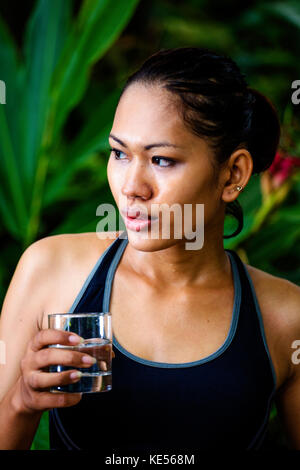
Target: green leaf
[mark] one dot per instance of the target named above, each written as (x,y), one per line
(265,57)
(93,137)
(272,240)
(98,25)
(57,185)
(288,11)
(210,34)
(13,207)
(288,215)
(82,218)
(10,171)
(7,217)
(44,40)
(41,439)
(12,73)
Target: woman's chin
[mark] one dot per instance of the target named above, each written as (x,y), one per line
(147,241)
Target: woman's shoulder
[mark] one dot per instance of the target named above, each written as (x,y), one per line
(54,252)
(279,304)
(60,253)
(71,244)
(61,264)
(278,295)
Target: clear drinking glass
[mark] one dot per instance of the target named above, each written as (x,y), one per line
(95,329)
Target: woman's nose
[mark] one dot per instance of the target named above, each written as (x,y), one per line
(136,183)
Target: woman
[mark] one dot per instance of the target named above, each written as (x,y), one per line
(202,341)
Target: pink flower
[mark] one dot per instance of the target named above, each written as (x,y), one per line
(282,168)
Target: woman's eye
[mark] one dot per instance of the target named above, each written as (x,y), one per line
(168,161)
(116,153)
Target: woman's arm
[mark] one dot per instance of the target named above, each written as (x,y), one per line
(22,307)
(17,427)
(288,406)
(21,401)
(288,396)
(23,304)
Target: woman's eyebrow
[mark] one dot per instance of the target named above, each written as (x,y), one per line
(146,147)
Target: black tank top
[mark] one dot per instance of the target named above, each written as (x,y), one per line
(222,401)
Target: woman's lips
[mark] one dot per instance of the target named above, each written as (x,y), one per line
(136,224)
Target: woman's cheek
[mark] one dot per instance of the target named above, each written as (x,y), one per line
(113,177)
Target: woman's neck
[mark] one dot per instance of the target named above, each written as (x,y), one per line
(180,267)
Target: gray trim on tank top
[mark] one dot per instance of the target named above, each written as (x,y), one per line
(89,278)
(261,325)
(232,329)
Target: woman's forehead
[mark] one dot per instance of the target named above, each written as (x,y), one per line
(149,115)
(152,101)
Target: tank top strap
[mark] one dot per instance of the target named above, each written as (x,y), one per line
(90,296)
(251,308)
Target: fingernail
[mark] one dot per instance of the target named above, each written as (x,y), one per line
(75,375)
(75,339)
(89,359)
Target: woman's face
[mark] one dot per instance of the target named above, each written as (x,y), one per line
(157,160)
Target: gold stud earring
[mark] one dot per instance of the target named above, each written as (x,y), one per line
(239,188)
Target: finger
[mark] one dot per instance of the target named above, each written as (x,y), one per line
(103,365)
(50,336)
(48,400)
(43,380)
(64,357)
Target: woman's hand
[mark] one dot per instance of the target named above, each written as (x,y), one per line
(33,393)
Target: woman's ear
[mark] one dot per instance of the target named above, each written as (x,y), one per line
(237,174)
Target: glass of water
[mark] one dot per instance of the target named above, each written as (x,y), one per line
(95,329)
